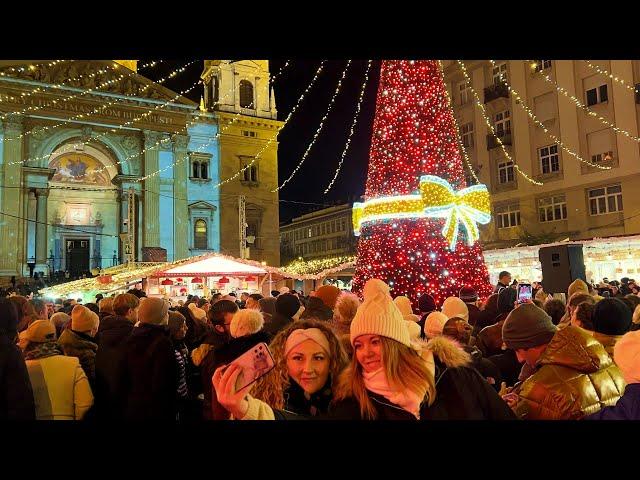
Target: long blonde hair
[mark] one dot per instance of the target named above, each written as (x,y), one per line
(271,387)
(405,370)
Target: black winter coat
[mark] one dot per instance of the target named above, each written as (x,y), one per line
(221,356)
(110,357)
(485,367)
(149,382)
(16,395)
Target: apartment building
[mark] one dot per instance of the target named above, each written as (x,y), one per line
(575,200)
(320,234)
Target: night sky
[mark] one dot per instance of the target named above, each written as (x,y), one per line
(311,180)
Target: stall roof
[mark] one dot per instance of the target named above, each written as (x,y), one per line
(213,265)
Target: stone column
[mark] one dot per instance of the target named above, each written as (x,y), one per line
(41,226)
(180,204)
(11,228)
(31,214)
(151,217)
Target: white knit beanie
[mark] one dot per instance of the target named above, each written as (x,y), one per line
(455,307)
(434,324)
(197,312)
(626,355)
(414,330)
(246,322)
(378,315)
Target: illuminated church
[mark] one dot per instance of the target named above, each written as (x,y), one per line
(100,164)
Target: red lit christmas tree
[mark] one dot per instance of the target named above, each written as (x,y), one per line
(418,224)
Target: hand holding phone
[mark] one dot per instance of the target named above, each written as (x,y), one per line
(255,363)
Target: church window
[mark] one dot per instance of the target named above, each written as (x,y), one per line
(246,94)
(200,235)
(196,170)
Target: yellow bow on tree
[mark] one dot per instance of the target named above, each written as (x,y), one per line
(437,199)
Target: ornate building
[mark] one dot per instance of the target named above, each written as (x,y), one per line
(78,136)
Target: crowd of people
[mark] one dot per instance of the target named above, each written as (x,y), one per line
(335,356)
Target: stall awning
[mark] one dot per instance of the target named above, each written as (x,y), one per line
(214,265)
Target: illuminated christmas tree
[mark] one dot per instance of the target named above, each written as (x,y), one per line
(418,225)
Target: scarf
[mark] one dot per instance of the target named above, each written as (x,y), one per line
(377,382)
(41,350)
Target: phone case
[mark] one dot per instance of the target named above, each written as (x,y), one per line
(255,363)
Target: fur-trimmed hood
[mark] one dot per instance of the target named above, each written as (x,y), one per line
(448,352)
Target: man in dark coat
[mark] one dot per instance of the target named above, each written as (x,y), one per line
(504,280)
(149,382)
(317,310)
(113,331)
(469,296)
(16,394)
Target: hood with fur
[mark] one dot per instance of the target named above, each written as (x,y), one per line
(449,352)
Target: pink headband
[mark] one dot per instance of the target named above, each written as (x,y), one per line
(300,335)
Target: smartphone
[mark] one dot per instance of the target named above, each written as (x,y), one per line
(524,292)
(255,363)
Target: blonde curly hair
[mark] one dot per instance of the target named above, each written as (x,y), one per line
(271,387)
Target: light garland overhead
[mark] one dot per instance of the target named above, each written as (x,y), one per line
(436,199)
(587,110)
(32,67)
(611,76)
(284,123)
(318,130)
(316,266)
(151,64)
(274,77)
(460,143)
(520,101)
(489,123)
(353,126)
(97,109)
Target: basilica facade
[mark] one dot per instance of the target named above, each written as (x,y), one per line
(99,164)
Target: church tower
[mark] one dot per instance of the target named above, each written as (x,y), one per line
(239,93)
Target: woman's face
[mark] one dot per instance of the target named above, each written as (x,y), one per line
(308,365)
(368,350)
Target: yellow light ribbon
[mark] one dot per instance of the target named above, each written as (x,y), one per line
(436,199)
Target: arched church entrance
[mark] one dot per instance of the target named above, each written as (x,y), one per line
(83,207)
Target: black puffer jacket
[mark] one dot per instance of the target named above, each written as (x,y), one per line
(217,357)
(489,371)
(461,393)
(114,332)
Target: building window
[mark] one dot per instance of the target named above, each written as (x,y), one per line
(540,65)
(324,229)
(466,133)
(502,124)
(508,216)
(344,225)
(597,95)
(464,89)
(200,169)
(195,169)
(505,172)
(549,159)
(246,94)
(249,133)
(602,157)
(499,73)
(552,209)
(249,174)
(605,200)
(204,170)
(200,235)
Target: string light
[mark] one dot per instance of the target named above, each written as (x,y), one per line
(611,76)
(520,101)
(97,109)
(316,266)
(413,137)
(284,123)
(31,67)
(489,123)
(587,110)
(274,77)
(318,130)
(150,64)
(353,126)
(459,139)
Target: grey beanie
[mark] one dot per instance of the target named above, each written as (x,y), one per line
(526,327)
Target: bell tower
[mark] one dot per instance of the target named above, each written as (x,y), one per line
(239,86)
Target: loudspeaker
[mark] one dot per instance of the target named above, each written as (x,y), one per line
(561,265)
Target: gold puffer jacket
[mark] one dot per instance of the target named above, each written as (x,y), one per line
(575,377)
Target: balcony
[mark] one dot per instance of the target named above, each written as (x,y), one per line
(496,91)
(492,140)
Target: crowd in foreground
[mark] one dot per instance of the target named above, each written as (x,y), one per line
(336,357)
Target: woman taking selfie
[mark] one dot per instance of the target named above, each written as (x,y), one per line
(308,357)
(389,378)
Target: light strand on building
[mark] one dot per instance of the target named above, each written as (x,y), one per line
(457,128)
(318,130)
(613,77)
(270,141)
(587,110)
(31,67)
(96,109)
(520,101)
(353,126)
(115,128)
(480,105)
(150,64)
